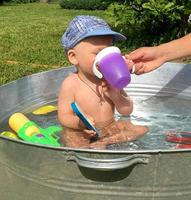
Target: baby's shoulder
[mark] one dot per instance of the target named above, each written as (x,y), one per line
(70,81)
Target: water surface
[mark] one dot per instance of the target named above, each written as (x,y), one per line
(160,114)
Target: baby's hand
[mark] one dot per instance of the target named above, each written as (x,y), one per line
(89,133)
(109,91)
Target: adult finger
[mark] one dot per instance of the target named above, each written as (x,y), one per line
(136,55)
(138,67)
(129,63)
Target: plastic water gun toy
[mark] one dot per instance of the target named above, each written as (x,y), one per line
(31,132)
(83,118)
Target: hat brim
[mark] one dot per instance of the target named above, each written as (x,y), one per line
(117,36)
(104,32)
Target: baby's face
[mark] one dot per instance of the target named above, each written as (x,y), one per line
(87,50)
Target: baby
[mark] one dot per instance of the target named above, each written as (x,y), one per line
(82,40)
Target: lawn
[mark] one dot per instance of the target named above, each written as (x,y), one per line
(30,38)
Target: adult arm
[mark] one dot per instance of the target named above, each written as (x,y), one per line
(147,59)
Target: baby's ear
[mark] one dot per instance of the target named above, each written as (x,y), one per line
(72,56)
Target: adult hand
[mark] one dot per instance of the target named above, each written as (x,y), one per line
(145,59)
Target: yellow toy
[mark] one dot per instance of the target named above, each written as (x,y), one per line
(9,134)
(31,132)
(44,110)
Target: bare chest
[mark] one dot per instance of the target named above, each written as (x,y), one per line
(94,104)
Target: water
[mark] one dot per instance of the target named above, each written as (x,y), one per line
(160,114)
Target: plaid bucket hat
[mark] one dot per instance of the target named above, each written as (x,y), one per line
(85,26)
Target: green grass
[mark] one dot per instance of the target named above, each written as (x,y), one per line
(30,38)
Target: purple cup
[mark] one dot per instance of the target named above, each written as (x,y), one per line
(112,67)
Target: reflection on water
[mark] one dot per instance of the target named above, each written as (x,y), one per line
(160,114)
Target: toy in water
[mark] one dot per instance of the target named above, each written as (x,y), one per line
(182,138)
(112,66)
(44,110)
(31,132)
(83,118)
(9,134)
(183,146)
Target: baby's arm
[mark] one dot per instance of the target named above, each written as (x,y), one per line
(120,99)
(122,102)
(65,114)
